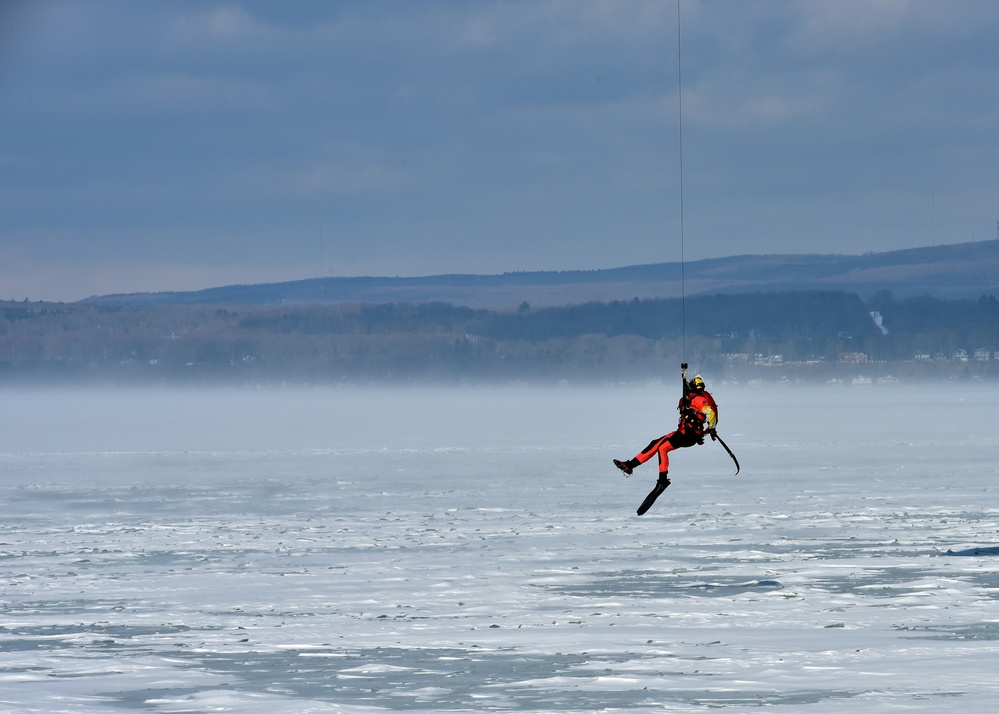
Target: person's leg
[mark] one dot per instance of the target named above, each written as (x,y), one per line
(666,445)
(641,457)
(649,451)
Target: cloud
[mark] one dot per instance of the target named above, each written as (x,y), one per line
(841,26)
(459,136)
(211,30)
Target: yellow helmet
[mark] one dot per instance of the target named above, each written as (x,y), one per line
(697,384)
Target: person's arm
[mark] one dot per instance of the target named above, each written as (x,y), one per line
(710,412)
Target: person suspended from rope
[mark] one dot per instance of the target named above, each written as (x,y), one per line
(698,414)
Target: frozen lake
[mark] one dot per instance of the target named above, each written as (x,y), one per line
(475,550)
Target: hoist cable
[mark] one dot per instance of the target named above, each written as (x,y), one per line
(679,91)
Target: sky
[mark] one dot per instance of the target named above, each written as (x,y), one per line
(185,145)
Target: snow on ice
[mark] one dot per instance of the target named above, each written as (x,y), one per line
(316,550)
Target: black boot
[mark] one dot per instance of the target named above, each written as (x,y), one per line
(626,466)
(661,485)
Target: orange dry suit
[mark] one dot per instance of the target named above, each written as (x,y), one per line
(698,413)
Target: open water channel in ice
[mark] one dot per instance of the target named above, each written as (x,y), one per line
(316,550)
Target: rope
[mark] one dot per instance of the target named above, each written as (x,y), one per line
(679,90)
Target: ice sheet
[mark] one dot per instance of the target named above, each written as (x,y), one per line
(475,550)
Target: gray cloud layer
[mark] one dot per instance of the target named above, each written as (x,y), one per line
(157,146)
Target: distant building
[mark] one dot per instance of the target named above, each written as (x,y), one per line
(853,357)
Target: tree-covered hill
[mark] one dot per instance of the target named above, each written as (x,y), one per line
(806,334)
(964,270)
